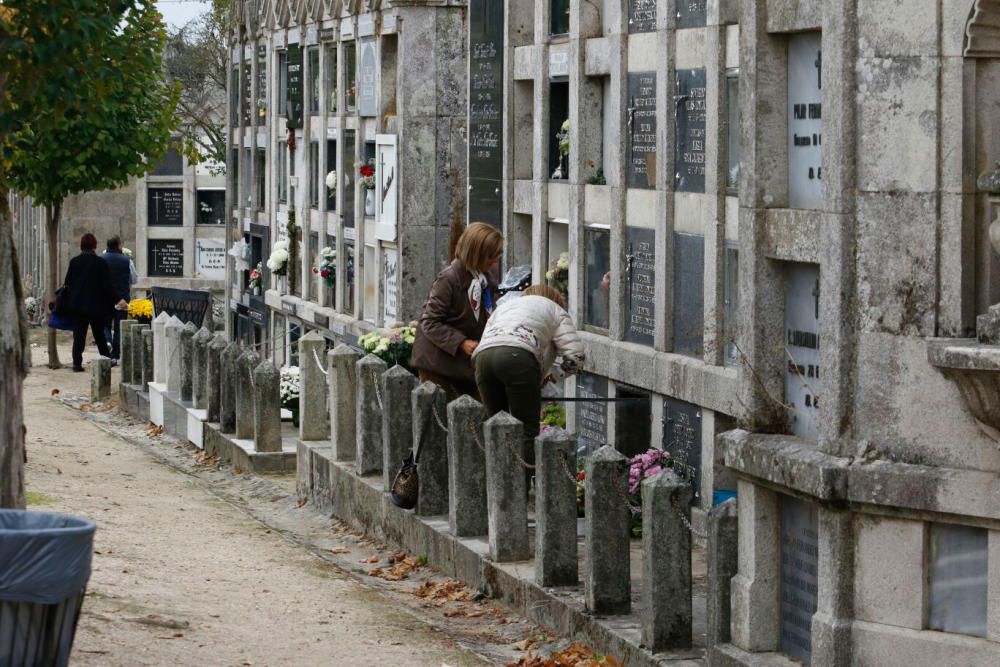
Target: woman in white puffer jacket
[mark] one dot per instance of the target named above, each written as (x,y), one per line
(528,342)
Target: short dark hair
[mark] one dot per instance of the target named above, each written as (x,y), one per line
(88,242)
(115,242)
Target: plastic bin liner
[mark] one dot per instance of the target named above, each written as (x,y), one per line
(44,557)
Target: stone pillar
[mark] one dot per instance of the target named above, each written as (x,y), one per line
(147,358)
(187,360)
(607,582)
(135,347)
(245,365)
(160,348)
(229,376)
(343,400)
(213,376)
(368,429)
(723,543)
(173,354)
(429,413)
(506,496)
(666,562)
(397,420)
(100,380)
(755,587)
(199,380)
(125,351)
(831,624)
(555,509)
(266,408)
(314,416)
(467,515)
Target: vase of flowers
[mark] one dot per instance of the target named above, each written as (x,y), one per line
(331,184)
(326,267)
(650,463)
(255,278)
(366,173)
(277,262)
(31,308)
(558,274)
(562,137)
(393,345)
(288,388)
(140,309)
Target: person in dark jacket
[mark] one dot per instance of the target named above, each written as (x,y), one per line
(90,298)
(121,270)
(454,316)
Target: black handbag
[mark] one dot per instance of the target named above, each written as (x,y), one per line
(406,484)
(62,307)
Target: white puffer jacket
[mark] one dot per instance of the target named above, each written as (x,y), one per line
(539,325)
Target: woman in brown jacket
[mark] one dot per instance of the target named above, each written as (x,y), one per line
(454,316)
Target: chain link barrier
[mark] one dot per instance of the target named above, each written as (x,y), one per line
(378,389)
(319,364)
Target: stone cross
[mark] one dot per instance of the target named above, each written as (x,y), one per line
(100,380)
(187,360)
(160,348)
(506,495)
(666,562)
(314,415)
(173,354)
(267,408)
(397,420)
(723,564)
(229,376)
(555,509)
(245,365)
(467,515)
(607,584)
(368,422)
(148,369)
(429,412)
(135,347)
(125,351)
(199,380)
(343,400)
(213,377)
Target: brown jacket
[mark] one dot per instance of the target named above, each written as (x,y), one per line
(445,322)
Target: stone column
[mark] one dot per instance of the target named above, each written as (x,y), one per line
(314,416)
(723,543)
(213,377)
(555,509)
(666,562)
(125,351)
(100,380)
(429,413)
(147,358)
(160,348)
(173,354)
(397,420)
(467,515)
(135,347)
(831,624)
(187,360)
(606,559)
(755,587)
(343,400)
(368,429)
(199,380)
(245,365)
(266,408)
(227,387)
(506,496)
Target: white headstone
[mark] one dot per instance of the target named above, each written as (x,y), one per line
(210,259)
(390,285)
(172,360)
(160,347)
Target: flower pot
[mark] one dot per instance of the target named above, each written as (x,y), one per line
(369,202)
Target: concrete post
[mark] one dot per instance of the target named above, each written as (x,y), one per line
(199,380)
(368,428)
(314,416)
(147,358)
(187,360)
(666,562)
(429,414)
(135,351)
(213,377)
(467,515)
(723,561)
(100,380)
(173,354)
(227,387)
(506,496)
(555,509)
(245,365)
(606,559)
(343,400)
(266,408)
(125,351)
(397,420)
(160,347)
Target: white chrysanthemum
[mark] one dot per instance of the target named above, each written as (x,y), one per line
(331,180)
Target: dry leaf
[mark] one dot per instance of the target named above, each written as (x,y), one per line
(55,392)
(340,550)
(300,502)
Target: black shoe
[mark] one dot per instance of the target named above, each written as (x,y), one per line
(114,362)
(77,369)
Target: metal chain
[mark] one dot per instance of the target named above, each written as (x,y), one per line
(378,391)
(437,418)
(475,436)
(564,459)
(319,364)
(633,510)
(684,520)
(507,441)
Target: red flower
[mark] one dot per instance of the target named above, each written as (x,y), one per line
(366,170)
(314,270)
(325,273)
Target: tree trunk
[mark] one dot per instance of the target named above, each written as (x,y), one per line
(13,364)
(52,212)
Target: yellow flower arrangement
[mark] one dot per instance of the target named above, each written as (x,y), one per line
(140,309)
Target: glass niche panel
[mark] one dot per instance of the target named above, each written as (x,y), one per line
(802,351)
(313,187)
(351,75)
(349,278)
(211,206)
(733,130)
(805,121)
(958,579)
(559,130)
(557,274)
(559,19)
(282,171)
(312,57)
(261,86)
(797,578)
(597,277)
(260,177)
(330,78)
(331,175)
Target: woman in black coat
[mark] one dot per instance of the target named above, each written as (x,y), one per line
(90,298)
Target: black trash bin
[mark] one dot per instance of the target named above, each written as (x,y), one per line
(44,568)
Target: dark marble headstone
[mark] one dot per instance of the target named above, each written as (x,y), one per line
(172,163)
(486,24)
(682,438)
(691,13)
(640,123)
(165,258)
(642,16)
(689,294)
(640,266)
(591,418)
(295,90)
(165,206)
(633,421)
(797,582)
(689,144)
(352,172)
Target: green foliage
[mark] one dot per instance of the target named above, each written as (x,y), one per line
(553,414)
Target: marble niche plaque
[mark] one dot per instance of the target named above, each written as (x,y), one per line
(797,576)
(165,206)
(805,121)
(486,24)
(165,258)
(350,179)
(642,16)
(682,438)
(689,294)
(691,13)
(390,285)
(641,128)
(801,361)
(640,267)
(591,418)
(689,144)
(367,78)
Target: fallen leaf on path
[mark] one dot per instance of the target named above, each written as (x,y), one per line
(373,559)
(576,655)
(300,502)
(468,613)
(155,431)
(443,591)
(340,550)
(55,392)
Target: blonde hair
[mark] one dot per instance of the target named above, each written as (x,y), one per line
(478,246)
(548,292)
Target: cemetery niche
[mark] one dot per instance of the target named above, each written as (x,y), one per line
(805,121)
(689,294)
(689,144)
(682,438)
(799,560)
(165,206)
(640,266)
(641,16)
(692,13)
(802,349)
(641,128)
(165,258)
(591,416)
